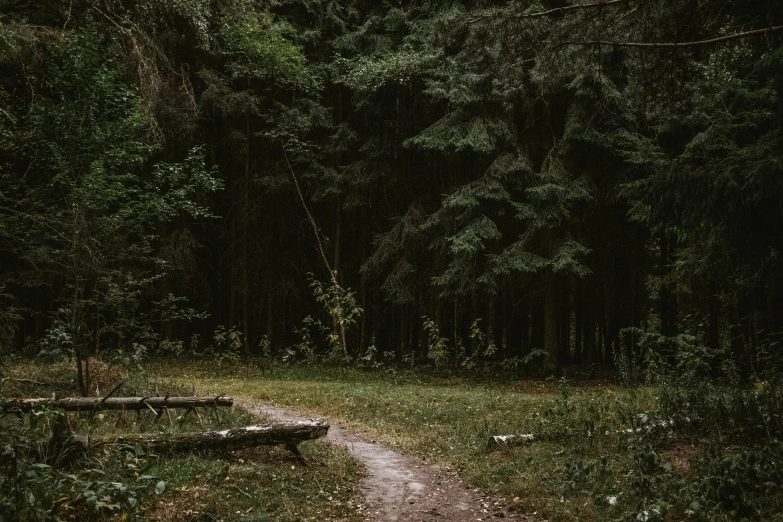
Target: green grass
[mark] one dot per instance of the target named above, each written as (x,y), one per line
(450,420)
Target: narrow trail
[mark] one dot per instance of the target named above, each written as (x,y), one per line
(401,488)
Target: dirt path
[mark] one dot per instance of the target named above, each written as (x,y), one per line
(400,488)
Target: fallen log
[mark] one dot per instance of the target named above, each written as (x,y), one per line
(156,404)
(512,440)
(496,441)
(288,434)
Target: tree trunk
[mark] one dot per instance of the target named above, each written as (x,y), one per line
(564,344)
(113,403)
(578,322)
(289,434)
(537,325)
(246,336)
(363,318)
(551,325)
(713,339)
(589,304)
(524,325)
(668,306)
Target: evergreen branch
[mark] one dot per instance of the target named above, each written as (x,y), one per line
(675,45)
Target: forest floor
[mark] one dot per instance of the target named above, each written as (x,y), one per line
(404,445)
(265,484)
(442,424)
(398,487)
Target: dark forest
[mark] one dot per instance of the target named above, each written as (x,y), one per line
(496,188)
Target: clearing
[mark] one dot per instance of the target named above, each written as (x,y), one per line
(442,426)
(399,487)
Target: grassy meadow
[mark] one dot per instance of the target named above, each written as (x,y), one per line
(449,421)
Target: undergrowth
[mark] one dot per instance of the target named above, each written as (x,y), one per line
(38,483)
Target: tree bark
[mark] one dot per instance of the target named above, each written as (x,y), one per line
(578,322)
(247,341)
(564,329)
(551,325)
(25,405)
(290,434)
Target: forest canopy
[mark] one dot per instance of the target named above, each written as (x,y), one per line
(537,183)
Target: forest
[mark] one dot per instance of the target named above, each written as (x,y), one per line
(491,189)
(571,181)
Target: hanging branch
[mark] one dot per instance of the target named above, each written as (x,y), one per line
(332,273)
(675,45)
(558,10)
(311,218)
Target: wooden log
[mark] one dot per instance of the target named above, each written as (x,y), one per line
(25,405)
(646,426)
(497,441)
(289,434)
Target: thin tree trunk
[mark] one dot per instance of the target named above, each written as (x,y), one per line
(455,328)
(714,319)
(551,325)
(537,324)
(319,241)
(363,325)
(578,322)
(604,347)
(588,329)
(246,336)
(564,348)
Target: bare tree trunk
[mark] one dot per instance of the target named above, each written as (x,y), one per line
(246,336)
(714,319)
(363,326)
(578,322)
(551,325)
(564,345)
(332,273)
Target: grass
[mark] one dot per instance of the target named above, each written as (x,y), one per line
(594,459)
(450,420)
(249,485)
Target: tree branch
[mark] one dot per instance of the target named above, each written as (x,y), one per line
(311,218)
(107,17)
(676,45)
(559,10)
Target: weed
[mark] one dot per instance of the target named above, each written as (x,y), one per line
(437,346)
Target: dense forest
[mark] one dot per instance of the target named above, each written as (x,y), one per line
(537,183)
